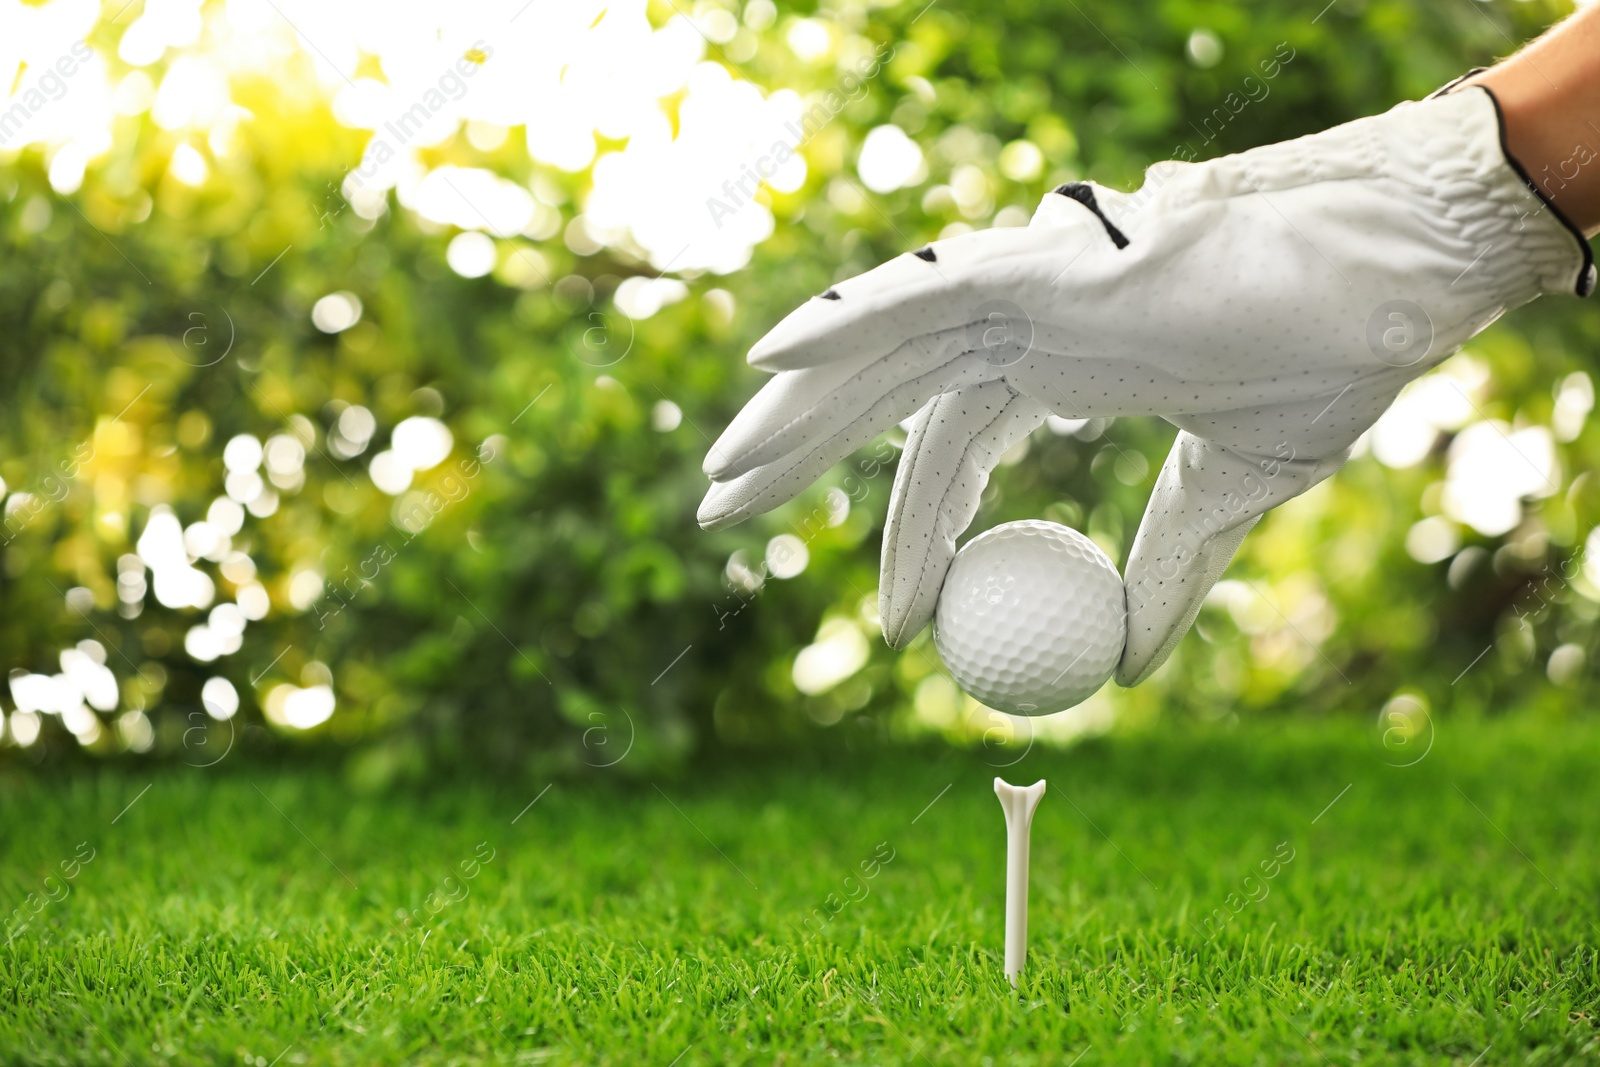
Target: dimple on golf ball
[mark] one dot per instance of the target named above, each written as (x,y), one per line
(1031,618)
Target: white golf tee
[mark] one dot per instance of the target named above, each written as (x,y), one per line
(1019,803)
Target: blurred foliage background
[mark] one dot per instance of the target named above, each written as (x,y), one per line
(360,361)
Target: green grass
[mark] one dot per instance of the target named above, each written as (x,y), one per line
(1438,913)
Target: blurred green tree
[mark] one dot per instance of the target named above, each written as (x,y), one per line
(414,482)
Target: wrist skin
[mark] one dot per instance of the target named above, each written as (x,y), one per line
(1549,96)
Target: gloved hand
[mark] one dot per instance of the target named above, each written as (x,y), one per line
(1269,304)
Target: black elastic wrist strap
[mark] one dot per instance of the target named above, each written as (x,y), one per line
(1586,276)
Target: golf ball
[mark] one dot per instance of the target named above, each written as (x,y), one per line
(1031,618)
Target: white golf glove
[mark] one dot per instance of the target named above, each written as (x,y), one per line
(1269,304)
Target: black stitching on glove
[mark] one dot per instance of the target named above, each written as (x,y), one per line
(926,253)
(1083,193)
(832,294)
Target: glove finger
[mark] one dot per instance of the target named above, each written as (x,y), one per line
(949,285)
(954,444)
(765,487)
(815,404)
(1206,499)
